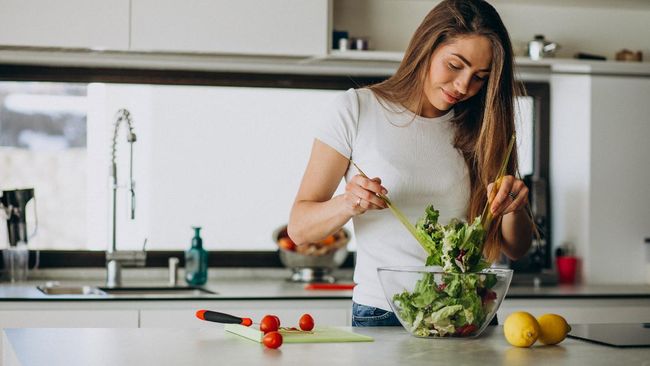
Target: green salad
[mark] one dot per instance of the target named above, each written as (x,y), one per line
(458,303)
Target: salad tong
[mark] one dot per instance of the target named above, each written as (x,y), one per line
(486,216)
(396,212)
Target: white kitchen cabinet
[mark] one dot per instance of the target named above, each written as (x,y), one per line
(330,312)
(254,27)
(599,173)
(57,318)
(65,23)
(69,318)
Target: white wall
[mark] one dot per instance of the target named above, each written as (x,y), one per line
(591,26)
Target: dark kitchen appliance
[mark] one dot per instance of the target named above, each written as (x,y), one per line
(14,203)
(615,335)
(536,267)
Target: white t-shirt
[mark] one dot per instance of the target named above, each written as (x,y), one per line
(415,158)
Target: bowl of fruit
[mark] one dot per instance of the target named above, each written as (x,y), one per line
(312,262)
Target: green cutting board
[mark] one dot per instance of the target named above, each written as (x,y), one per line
(319,335)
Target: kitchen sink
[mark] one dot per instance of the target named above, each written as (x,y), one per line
(70,290)
(179,291)
(136,292)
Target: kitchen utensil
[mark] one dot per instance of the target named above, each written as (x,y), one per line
(318,335)
(567,267)
(330,286)
(486,216)
(616,335)
(396,212)
(317,266)
(421,298)
(16,262)
(173,271)
(589,56)
(217,317)
(627,55)
(14,203)
(540,48)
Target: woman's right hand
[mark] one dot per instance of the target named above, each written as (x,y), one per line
(362,194)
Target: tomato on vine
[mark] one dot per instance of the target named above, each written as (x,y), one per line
(269,323)
(306,322)
(272,339)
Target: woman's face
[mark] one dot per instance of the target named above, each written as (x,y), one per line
(458,70)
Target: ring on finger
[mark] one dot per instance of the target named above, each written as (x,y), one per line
(513,195)
(358,202)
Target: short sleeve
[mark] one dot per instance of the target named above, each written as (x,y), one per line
(337,126)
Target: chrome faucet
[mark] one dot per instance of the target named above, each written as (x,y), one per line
(115,259)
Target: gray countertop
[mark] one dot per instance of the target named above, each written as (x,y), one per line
(271,284)
(391,346)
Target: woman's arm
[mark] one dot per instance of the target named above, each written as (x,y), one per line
(315,213)
(511,201)
(517,232)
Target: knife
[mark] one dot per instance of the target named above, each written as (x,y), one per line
(217,317)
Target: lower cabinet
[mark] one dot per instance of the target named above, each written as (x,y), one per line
(59,318)
(582,311)
(69,319)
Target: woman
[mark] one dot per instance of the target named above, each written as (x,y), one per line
(436,132)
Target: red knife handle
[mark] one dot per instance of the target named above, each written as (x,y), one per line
(217,317)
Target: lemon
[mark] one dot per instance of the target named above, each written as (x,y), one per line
(521,329)
(553,328)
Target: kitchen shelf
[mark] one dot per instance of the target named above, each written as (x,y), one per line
(347,63)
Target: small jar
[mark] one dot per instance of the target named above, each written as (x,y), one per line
(344,44)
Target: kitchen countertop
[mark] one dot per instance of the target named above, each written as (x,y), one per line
(256,284)
(391,346)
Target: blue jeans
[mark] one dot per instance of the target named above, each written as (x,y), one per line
(369,316)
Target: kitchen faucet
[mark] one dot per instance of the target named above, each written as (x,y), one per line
(115,259)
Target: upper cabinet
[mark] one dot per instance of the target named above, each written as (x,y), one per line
(97,24)
(254,27)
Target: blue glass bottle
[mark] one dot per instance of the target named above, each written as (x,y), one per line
(196,261)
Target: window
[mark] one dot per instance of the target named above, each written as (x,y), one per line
(43,146)
(229,159)
(226,158)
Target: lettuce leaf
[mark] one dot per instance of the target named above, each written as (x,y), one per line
(444,308)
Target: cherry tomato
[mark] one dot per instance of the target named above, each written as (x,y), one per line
(329,240)
(269,323)
(306,322)
(466,330)
(272,340)
(287,244)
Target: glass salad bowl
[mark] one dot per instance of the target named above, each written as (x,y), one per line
(431,303)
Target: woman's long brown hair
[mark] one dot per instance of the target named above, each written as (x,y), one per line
(484,122)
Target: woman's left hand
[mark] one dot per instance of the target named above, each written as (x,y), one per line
(511,196)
